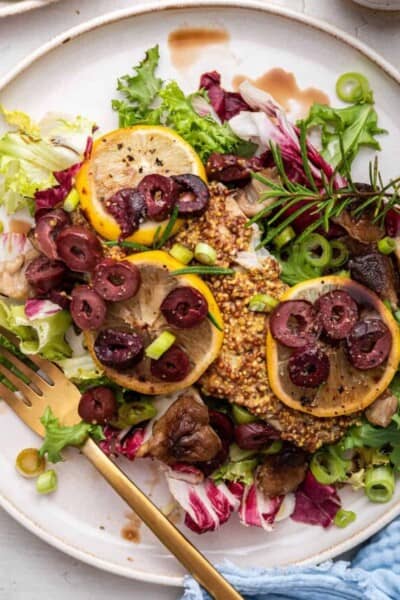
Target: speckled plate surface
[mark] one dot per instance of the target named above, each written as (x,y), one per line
(15,7)
(78,71)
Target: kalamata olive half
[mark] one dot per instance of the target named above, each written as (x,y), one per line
(392,223)
(47,230)
(97,405)
(174,365)
(337,313)
(44,274)
(119,348)
(79,248)
(116,280)
(293,323)
(184,307)
(128,208)
(194,195)
(88,309)
(369,343)
(222,425)
(308,367)
(253,436)
(160,194)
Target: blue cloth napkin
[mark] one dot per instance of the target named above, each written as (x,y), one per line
(373,574)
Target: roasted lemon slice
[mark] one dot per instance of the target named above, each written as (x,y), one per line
(201,343)
(347,389)
(120,159)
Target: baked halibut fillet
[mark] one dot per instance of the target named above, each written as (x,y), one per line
(239,373)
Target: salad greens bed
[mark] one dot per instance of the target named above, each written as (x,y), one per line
(32,156)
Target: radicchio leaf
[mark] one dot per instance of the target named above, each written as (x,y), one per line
(316,504)
(257,510)
(226,104)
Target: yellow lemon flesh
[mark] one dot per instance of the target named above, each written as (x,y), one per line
(120,159)
(347,389)
(202,343)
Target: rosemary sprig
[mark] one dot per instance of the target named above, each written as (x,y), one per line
(160,240)
(200,270)
(131,245)
(213,320)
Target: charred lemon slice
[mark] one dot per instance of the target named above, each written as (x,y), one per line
(119,160)
(162,304)
(332,347)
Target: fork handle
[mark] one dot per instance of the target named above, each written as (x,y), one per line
(167,533)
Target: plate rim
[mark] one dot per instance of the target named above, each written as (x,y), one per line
(120,15)
(24,6)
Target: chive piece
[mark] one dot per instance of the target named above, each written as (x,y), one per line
(340,253)
(71,201)
(206,270)
(213,320)
(205,254)
(47,482)
(29,463)
(131,245)
(160,345)
(284,237)
(181,253)
(386,245)
(379,484)
(262,303)
(344,518)
(166,234)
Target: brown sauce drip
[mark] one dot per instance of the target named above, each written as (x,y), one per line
(131,531)
(283,86)
(19,226)
(186,44)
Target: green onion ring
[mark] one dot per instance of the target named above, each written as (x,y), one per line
(344,518)
(340,253)
(309,247)
(379,484)
(353,88)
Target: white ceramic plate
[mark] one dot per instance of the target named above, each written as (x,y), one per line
(14,7)
(76,73)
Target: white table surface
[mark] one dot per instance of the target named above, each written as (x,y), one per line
(29,569)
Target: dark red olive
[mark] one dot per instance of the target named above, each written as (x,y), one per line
(160,194)
(174,365)
(44,274)
(97,405)
(47,230)
(119,348)
(184,307)
(79,248)
(308,367)
(392,223)
(128,208)
(88,309)
(253,436)
(369,344)
(222,425)
(293,323)
(60,297)
(194,195)
(337,313)
(116,280)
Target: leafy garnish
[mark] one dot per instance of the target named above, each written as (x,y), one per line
(242,471)
(59,436)
(139,91)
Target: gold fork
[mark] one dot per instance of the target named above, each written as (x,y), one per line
(45,385)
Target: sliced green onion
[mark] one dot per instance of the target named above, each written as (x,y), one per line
(71,201)
(47,482)
(386,245)
(132,413)
(316,250)
(273,448)
(241,415)
(340,253)
(344,518)
(205,254)
(328,466)
(262,303)
(353,88)
(198,270)
(236,454)
(379,484)
(160,345)
(181,253)
(284,237)
(29,463)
